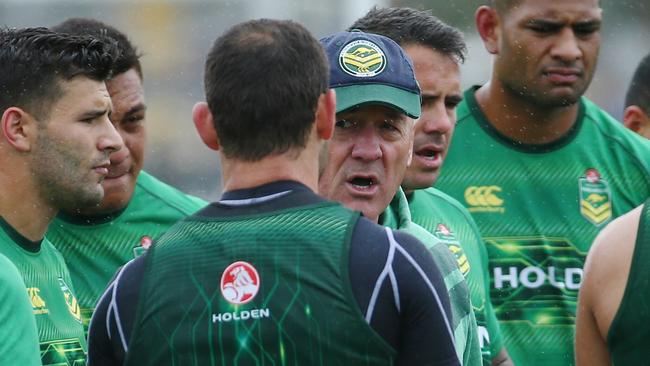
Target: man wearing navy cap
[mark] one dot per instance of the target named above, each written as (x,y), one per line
(272,273)
(377,100)
(362,166)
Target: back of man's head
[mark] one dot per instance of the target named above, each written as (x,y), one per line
(129,57)
(263,79)
(408,26)
(34,60)
(639,91)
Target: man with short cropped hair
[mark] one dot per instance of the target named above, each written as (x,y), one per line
(55,146)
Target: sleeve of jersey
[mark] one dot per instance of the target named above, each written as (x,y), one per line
(426,337)
(19,345)
(112,320)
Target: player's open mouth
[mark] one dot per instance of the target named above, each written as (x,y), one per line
(363,184)
(428,154)
(430,157)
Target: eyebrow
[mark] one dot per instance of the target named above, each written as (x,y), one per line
(452,97)
(559,23)
(140,107)
(456,98)
(95,114)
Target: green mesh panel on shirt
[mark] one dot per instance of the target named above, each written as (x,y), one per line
(539,208)
(303,313)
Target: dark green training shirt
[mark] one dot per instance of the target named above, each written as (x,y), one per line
(629,335)
(276,275)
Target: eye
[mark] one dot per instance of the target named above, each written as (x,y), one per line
(544,27)
(389,125)
(452,103)
(134,119)
(587,29)
(345,123)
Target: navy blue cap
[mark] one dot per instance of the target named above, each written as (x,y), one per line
(368,68)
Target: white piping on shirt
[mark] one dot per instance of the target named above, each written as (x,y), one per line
(388,269)
(251,201)
(429,284)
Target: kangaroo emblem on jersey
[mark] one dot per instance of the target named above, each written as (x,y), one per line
(595,198)
(239,283)
(70,300)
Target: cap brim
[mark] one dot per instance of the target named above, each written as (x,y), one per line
(360,94)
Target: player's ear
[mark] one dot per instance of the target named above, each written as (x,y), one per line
(18,127)
(204,123)
(411,141)
(487,24)
(633,118)
(326,114)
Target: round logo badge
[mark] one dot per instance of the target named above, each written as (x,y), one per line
(362,58)
(592,175)
(146,241)
(240,283)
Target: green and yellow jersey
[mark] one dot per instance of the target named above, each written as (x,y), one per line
(464,322)
(539,207)
(451,223)
(49,288)
(95,247)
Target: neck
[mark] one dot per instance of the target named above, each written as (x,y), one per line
(521,120)
(22,206)
(300,167)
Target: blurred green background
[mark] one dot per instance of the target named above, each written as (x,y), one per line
(175,35)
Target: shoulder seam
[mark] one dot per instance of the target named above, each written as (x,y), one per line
(165,200)
(620,143)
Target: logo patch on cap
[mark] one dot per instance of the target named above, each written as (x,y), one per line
(362,58)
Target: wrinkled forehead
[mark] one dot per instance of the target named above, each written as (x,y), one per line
(560,10)
(373,111)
